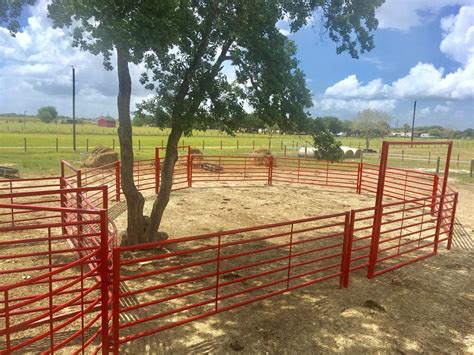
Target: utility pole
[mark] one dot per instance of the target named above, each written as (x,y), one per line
(73,108)
(413,122)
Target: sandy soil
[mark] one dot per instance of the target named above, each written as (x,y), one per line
(424,307)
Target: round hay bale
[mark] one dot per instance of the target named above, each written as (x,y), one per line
(196,157)
(350,152)
(101,156)
(306,152)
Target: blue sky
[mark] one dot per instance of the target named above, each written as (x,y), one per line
(424,51)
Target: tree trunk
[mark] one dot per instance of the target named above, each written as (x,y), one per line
(135,200)
(163,198)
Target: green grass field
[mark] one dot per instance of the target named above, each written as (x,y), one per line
(47,144)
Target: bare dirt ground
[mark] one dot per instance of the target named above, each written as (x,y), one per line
(424,307)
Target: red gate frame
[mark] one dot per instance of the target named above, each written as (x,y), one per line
(374,248)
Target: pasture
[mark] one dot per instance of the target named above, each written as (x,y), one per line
(36,148)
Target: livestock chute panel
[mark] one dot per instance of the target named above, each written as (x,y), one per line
(177,281)
(410,230)
(315,172)
(230,168)
(53,270)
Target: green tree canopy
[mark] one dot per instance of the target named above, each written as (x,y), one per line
(186,45)
(325,144)
(371,124)
(47,114)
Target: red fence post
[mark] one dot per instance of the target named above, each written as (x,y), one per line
(157,170)
(434,194)
(190,168)
(117,181)
(104,280)
(62,186)
(359,178)
(374,244)
(442,198)
(11,200)
(7,322)
(346,249)
(115,300)
(79,206)
(270,170)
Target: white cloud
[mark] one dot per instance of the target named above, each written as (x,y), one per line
(350,87)
(352,106)
(424,80)
(405,14)
(36,67)
(425,112)
(442,108)
(458,41)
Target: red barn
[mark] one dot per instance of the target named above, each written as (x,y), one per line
(106,122)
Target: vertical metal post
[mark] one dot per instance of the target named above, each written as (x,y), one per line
(74,108)
(434,194)
(24,141)
(157,170)
(218,262)
(299,165)
(374,245)
(57,145)
(104,280)
(221,144)
(87,144)
(359,178)
(190,168)
(270,170)
(7,322)
(139,145)
(237,144)
(62,186)
(117,181)
(437,165)
(443,193)
(472,168)
(115,300)
(457,160)
(347,248)
(285,152)
(289,258)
